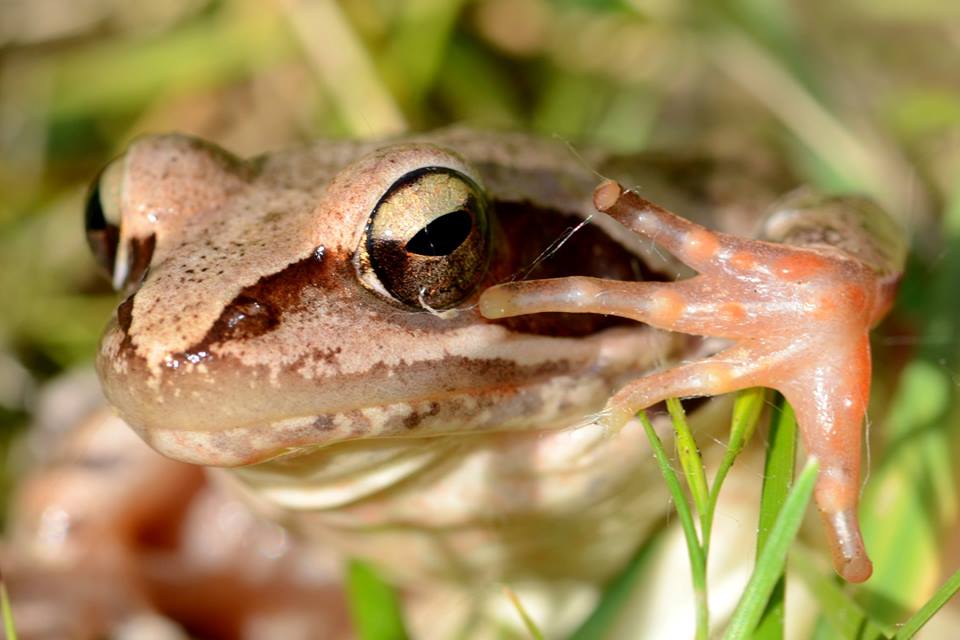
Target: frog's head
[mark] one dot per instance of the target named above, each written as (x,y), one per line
(328,293)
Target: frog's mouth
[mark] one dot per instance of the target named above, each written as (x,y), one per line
(230,423)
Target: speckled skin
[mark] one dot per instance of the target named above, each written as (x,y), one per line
(436,444)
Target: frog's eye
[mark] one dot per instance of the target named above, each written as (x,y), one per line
(427,242)
(102,219)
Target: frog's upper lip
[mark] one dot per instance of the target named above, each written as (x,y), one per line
(215,414)
(555,402)
(454,414)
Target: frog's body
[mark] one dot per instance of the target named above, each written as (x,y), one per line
(376,382)
(282,319)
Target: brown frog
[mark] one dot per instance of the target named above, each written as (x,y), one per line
(309,319)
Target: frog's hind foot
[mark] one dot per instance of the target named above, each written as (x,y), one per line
(798,318)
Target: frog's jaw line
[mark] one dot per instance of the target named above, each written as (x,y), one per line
(223,413)
(559,403)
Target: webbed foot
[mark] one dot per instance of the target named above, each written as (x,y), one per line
(798,318)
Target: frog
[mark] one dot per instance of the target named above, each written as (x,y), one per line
(426,352)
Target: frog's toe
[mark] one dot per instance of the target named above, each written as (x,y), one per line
(572,294)
(659,304)
(730,370)
(830,403)
(850,558)
(697,246)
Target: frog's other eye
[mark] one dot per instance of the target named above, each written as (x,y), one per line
(427,242)
(102,219)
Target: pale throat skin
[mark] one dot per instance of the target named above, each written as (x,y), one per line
(275,321)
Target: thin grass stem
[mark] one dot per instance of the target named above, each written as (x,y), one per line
(927,611)
(9,628)
(746,414)
(777,477)
(697,559)
(690,460)
(528,622)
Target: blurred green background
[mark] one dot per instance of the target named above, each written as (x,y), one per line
(861,95)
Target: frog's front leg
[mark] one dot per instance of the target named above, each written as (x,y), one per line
(798,314)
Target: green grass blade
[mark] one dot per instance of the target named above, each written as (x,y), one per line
(617,594)
(777,478)
(124,73)
(9,629)
(528,622)
(341,62)
(770,563)
(418,45)
(920,618)
(846,618)
(910,498)
(478,90)
(374,607)
(690,460)
(746,414)
(777,470)
(698,563)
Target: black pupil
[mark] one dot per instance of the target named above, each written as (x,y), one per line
(442,236)
(95,219)
(102,237)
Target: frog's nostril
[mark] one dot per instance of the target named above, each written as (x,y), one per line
(125,314)
(244,318)
(139,255)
